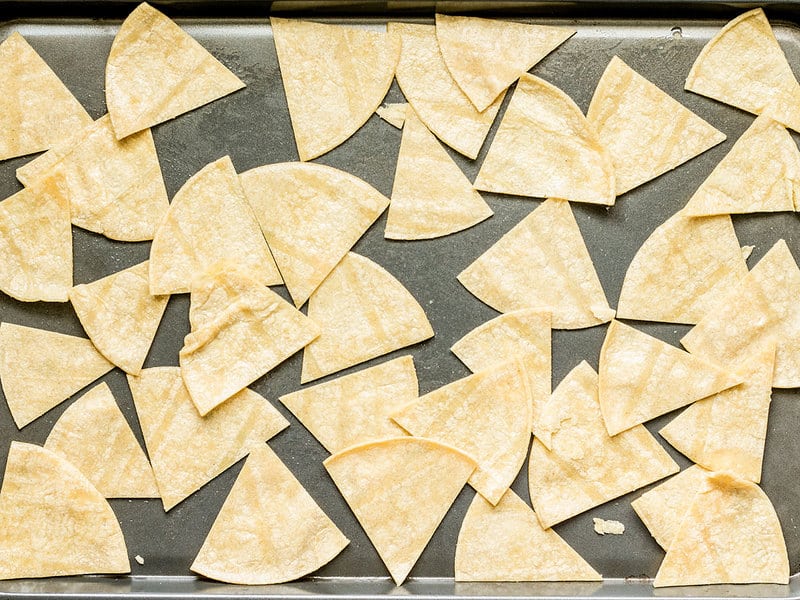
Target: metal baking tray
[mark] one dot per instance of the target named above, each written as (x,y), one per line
(660,40)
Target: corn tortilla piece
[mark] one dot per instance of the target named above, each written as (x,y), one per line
(543,264)
(730,534)
(363,312)
(433,94)
(94,436)
(586,467)
(187,450)
(607,526)
(156,71)
(506,542)
(400,490)
(393,113)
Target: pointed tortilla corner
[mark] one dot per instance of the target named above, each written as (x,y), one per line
(393,113)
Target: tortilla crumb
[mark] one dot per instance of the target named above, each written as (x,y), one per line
(612,527)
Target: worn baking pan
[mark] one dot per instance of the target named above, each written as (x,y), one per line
(660,40)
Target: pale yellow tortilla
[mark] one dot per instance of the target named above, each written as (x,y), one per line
(542,263)
(393,113)
(400,490)
(269,530)
(156,71)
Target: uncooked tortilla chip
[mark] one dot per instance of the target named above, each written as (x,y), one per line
(40,369)
(311,216)
(269,530)
(585,466)
(545,148)
(393,113)
(399,490)
(187,450)
(94,436)
(542,263)
(364,312)
(54,521)
(156,71)
(334,78)
(507,543)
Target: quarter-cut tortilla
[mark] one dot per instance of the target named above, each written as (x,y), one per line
(40,369)
(507,543)
(93,435)
(364,312)
(355,408)
(209,220)
(393,113)
(399,490)
(156,71)
(54,521)
(433,94)
(36,109)
(311,216)
(542,263)
(334,78)
(187,450)
(684,267)
(269,530)
(646,131)
(545,148)
(585,467)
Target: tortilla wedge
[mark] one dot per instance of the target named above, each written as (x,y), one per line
(393,113)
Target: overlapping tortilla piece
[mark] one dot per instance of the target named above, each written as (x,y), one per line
(334,78)
(545,148)
(400,490)
(393,113)
(364,312)
(585,467)
(187,450)
(54,521)
(156,71)
(542,263)
(269,530)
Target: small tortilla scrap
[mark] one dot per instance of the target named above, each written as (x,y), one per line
(507,543)
(542,263)
(545,148)
(156,71)
(364,312)
(334,78)
(431,196)
(608,527)
(269,530)
(187,450)
(54,521)
(355,408)
(93,435)
(734,523)
(40,369)
(400,490)
(311,216)
(585,466)
(393,113)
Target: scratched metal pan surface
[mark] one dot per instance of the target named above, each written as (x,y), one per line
(252,126)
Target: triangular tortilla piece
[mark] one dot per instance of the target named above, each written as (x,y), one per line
(187,450)
(93,435)
(209,220)
(680,271)
(36,109)
(542,263)
(399,490)
(585,466)
(428,207)
(393,113)
(120,316)
(334,78)
(731,534)
(39,369)
(269,530)
(507,543)
(646,131)
(355,408)
(545,148)
(433,94)
(156,71)
(364,312)
(311,216)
